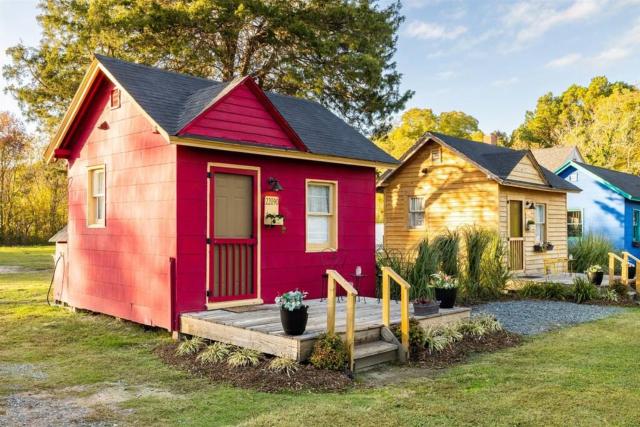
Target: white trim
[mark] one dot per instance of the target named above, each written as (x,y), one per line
(333,197)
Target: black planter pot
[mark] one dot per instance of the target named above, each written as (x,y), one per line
(447,297)
(596,278)
(425,309)
(294,322)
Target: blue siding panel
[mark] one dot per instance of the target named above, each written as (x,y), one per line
(604,210)
(628,227)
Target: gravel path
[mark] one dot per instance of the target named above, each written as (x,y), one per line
(534,317)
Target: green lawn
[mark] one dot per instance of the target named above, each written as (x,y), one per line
(585,375)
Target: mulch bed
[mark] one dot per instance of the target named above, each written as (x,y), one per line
(461,350)
(307,378)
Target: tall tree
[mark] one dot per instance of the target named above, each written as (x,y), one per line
(338,52)
(416,121)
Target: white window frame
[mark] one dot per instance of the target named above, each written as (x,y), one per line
(332,242)
(581,223)
(573,177)
(416,213)
(543,225)
(94,199)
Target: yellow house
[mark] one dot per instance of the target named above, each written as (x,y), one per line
(445,182)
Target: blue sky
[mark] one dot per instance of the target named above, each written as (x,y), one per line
(490,59)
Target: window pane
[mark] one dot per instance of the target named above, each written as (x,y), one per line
(540,234)
(99,208)
(318,229)
(416,204)
(97,186)
(636,226)
(416,219)
(540,216)
(318,198)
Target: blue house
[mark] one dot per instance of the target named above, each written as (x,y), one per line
(609,204)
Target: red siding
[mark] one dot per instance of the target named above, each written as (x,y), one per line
(285,264)
(123,269)
(240,116)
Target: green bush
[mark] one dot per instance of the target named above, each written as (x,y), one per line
(583,290)
(620,289)
(400,262)
(329,352)
(214,353)
(416,333)
(545,290)
(495,273)
(609,295)
(447,247)
(419,276)
(190,346)
(283,365)
(589,250)
(240,357)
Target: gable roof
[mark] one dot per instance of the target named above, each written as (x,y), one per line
(554,157)
(60,237)
(496,161)
(625,184)
(172,100)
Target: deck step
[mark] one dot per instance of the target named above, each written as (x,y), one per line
(374,353)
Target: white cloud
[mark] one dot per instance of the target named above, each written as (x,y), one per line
(505,82)
(445,75)
(430,31)
(613,54)
(564,61)
(532,19)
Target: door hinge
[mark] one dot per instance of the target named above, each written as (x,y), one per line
(208,174)
(208,240)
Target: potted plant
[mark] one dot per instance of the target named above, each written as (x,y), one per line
(446,289)
(293,312)
(595,274)
(539,247)
(530,224)
(548,246)
(422,299)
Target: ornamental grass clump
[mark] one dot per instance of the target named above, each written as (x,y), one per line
(609,295)
(190,346)
(619,288)
(240,357)
(329,352)
(583,290)
(545,290)
(214,353)
(283,365)
(591,249)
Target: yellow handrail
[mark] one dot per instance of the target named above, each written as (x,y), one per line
(388,273)
(624,266)
(334,277)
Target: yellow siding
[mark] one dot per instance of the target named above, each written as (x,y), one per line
(456,194)
(556,224)
(527,172)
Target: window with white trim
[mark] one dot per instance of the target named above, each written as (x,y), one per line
(573,177)
(416,212)
(322,227)
(541,222)
(96,189)
(574,223)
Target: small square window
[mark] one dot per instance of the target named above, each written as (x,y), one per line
(115,98)
(574,177)
(436,155)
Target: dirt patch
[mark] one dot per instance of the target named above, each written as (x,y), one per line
(461,350)
(75,406)
(259,378)
(22,370)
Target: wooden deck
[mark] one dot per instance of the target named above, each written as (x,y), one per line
(259,327)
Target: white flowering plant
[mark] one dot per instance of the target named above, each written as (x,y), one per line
(595,269)
(292,300)
(444,281)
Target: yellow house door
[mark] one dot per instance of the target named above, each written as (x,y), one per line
(516,235)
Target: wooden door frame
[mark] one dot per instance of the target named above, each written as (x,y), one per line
(524,258)
(257,212)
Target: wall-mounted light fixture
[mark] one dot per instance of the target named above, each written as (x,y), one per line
(530,204)
(274,184)
(104,125)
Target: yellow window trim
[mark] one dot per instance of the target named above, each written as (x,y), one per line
(90,208)
(333,207)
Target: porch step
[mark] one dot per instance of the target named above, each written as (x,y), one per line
(374,353)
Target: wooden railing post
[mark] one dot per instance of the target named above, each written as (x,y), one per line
(625,268)
(612,267)
(404,318)
(331,304)
(351,328)
(386,297)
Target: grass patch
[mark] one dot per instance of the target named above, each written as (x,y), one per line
(585,375)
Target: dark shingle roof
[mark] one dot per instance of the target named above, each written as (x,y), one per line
(498,161)
(628,183)
(174,99)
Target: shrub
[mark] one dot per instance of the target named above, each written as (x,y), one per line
(495,273)
(447,247)
(283,365)
(476,240)
(190,346)
(214,353)
(240,357)
(591,249)
(583,290)
(609,295)
(329,352)
(419,276)
(546,290)
(435,341)
(488,322)
(620,289)
(416,333)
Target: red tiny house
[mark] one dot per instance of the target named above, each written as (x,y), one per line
(185,188)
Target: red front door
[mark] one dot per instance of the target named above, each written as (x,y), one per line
(232,234)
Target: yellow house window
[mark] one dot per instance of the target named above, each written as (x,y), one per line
(96,190)
(322,215)
(416,212)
